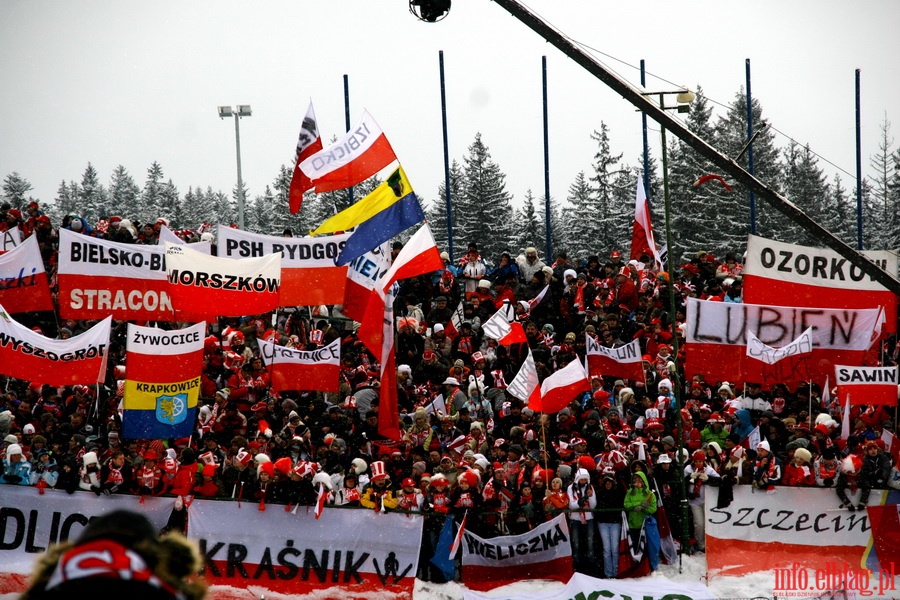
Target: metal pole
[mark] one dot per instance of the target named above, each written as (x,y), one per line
(859,207)
(750,147)
(646,145)
(347,122)
(673,373)
(446,159)
(728,165)
(548,225)
(237,144)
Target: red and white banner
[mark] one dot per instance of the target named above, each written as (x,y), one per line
(308,274)
(292,369)
(23,281)
(793,529)
(775,272)
(582,587)
(98,278)
(867,385)
(503,327)
(213,286)
(9,239)
(308,143)
(792,353)
(545,552)
(344,554)
(624,361)
(361,153)
(716,335)
(28,355)
(363,274)
(33,522)
(560,388)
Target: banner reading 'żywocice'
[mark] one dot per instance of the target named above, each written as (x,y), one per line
(292,369)
(545,552)
(162,382)
(98,278)
(211,286)
(776,272)
(26,354)
(867,385)
(716,334)
(624,361)
(23,280)
(308,274)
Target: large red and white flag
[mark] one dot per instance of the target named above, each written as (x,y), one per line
(309,276)
(716,335)
(23,281)
(361,153)
(28,355)
(526,383)
(388,405)
(560,388)
(503,327)
(363,274)
(98,278)
(775,272)
(623,361)
(216,286)
(292,369)
(308,143)
(642,241)
(418,256)
(868,385)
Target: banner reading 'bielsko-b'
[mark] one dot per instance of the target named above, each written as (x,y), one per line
(162,382)
(214,286)
(309,276)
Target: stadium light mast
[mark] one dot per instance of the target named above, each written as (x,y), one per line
(242,110)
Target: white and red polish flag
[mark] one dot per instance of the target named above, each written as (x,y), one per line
(216,286)
(363,274)
(776,272)
(868,385)
(388,405)
(642,241)
(456,320)
(560,388)
(23,281)
(28,355)
(361,153)
(308,143)
(525,384)
(624,361)
(503,327)
(309,276)
(167,235)
(320,500)
(292,369)
(418,256)
(537,299)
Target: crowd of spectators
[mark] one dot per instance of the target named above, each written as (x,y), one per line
(621,455)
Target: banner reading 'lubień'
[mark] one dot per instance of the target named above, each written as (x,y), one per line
(716,335)
(162,384)
(26,354)
(776,273)
(291,369)
(309,276)
(344,554)
(215,286)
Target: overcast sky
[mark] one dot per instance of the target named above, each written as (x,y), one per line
(127,82)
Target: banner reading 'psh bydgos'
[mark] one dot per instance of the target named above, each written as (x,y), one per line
(162,384)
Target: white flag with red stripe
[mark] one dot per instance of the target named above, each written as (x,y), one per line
(308,143)
(642,241)
(418,256)
(537,299)
(560,388)
(503,327)
(454,547)
(320,500)
(525,383)
(456,321)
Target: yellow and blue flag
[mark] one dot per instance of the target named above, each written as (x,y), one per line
(382,197)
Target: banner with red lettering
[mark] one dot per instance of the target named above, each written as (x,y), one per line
(624,361)
(23,280)
(777,273)
(716,335)
(211,285)
(308,274)
(98,278)
(26,354)
(867,385)
(545,552)
(343,554)
(292,369)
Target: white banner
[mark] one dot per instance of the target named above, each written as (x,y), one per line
(769,355)
(296,252)
(585,587)
(548,541)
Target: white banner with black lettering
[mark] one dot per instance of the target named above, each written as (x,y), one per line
(585,586)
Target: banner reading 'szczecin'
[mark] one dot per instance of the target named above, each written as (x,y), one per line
(162,382)
(215,286)
(292,369)
(26,354)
